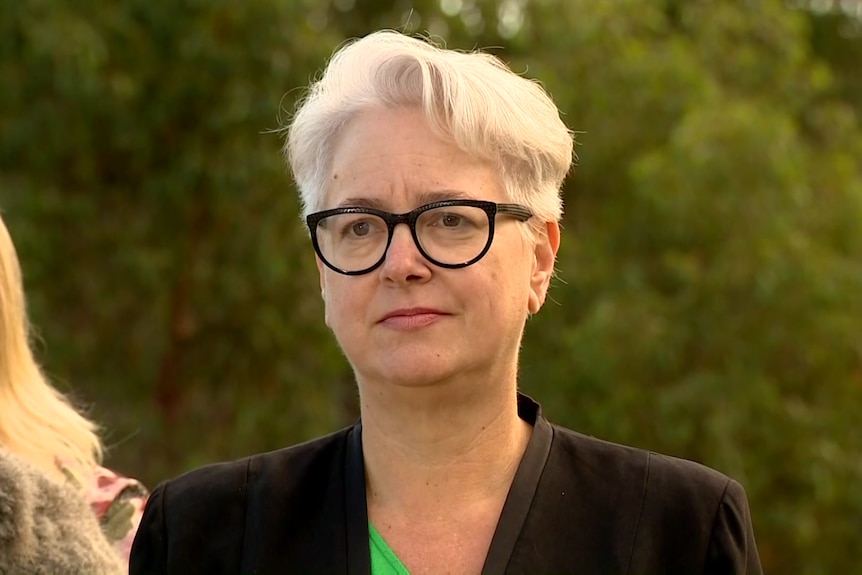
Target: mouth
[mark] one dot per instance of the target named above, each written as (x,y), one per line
(411,318)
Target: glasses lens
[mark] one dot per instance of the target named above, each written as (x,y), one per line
(352,242)
(453,235)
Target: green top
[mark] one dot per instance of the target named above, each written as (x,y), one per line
(384,561)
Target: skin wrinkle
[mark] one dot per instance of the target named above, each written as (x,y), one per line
(426,197)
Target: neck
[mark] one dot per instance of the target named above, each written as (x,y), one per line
(427,448)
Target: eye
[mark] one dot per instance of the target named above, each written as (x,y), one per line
(454,218)
(361,228)
(450,220)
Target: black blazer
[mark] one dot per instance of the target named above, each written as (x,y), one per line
(577,505)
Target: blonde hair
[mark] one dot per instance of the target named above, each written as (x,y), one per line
(37,422)
(472,98)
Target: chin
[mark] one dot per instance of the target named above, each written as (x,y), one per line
(416,375)
(412,371)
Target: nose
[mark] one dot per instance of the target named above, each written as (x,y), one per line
(403,262)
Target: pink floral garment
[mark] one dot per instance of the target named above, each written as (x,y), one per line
(118,503)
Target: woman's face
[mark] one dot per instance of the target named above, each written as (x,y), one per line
(409,322)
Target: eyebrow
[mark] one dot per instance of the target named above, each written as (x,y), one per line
(423,198)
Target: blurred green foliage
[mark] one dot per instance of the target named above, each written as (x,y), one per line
(709,297)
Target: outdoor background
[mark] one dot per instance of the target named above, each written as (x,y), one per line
(709,298)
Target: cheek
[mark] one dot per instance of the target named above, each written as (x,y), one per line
(512,266)
(343,303)
(504,288)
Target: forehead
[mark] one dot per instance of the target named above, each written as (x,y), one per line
(390,157)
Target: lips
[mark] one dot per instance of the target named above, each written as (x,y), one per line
(409,318)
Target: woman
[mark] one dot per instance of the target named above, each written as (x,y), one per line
(450,470)
(44,439)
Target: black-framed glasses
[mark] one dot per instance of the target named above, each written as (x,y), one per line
(450,233)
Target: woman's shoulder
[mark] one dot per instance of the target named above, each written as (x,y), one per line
(656,469)
(228,480)
(206,508)
(675,512)
(46,526)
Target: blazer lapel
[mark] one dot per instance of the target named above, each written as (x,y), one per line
(358,552)
(523,489)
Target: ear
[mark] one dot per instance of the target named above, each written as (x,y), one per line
(321,272)
(545,254)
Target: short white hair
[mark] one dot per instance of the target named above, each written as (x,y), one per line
(471,98)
